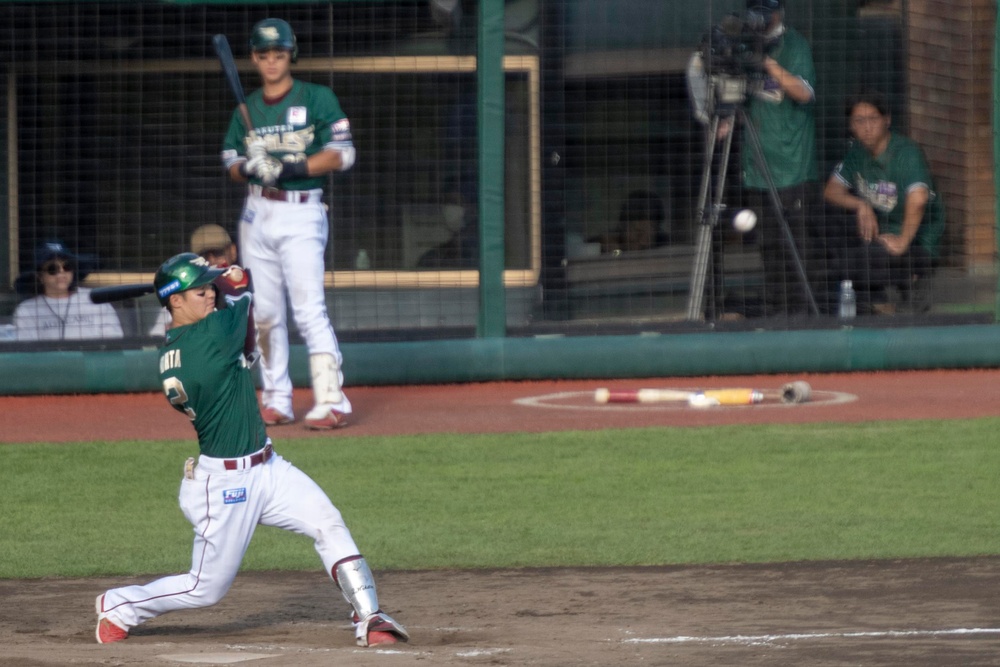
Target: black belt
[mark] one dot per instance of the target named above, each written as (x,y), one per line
(255,459)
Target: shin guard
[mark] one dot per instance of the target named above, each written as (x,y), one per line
(355,580)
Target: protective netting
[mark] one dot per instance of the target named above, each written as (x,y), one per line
(616,212)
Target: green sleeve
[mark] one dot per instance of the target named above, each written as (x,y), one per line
(328,112)
(235,135)
(849,166)
(229,325)
(911,167)
(797,58)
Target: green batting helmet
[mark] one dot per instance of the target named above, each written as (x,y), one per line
(183,272)
(274,34)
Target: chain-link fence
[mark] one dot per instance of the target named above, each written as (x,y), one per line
(626,160)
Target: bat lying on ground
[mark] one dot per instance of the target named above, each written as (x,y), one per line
(792,392)
(120,292)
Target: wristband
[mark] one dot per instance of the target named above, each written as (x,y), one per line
(291,171)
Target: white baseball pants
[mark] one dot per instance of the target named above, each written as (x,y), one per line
(283,245)
(225,506)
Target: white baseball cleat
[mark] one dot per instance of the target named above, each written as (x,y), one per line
(323,417)
(378,628)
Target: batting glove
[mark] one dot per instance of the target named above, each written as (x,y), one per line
(267,169)
(256,146)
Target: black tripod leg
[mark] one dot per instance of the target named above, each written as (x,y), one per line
(758,154)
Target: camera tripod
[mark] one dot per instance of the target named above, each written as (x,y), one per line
(706,256)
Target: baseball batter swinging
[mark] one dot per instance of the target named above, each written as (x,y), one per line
(300,135)
(239,480)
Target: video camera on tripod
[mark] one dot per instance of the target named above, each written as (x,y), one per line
(727,66)
(721,75)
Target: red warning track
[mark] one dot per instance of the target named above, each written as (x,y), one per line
(497,407)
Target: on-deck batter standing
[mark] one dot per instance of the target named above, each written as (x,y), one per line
(300,135)
(238,481)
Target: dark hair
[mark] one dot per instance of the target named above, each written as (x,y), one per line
(872,97)
(644,205)
(768,5)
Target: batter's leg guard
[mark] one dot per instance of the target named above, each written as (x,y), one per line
(327,379)
(371,624)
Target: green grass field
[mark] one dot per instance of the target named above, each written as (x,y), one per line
(617,497)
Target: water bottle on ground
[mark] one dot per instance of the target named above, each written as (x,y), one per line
(848,300)
(362,262)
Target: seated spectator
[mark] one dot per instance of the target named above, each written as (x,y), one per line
(461,251)
(885,185)
(640,225)
(212,242)
(62,310)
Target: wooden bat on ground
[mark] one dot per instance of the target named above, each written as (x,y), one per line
(225,54)
(792,392)
(120,292)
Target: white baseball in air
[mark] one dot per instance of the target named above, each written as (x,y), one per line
(745,220)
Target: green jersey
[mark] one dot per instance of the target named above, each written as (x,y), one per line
(303,122)
(885,180)
(204,375)
(787,129)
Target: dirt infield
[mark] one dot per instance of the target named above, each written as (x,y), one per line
(911,612)
(501,407)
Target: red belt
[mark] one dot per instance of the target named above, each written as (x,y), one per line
(255,459)
(277,194)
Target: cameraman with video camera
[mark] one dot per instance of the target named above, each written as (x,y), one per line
(781,106)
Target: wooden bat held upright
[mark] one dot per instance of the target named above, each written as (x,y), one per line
(221,44)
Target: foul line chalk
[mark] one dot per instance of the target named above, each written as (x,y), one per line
(762,639)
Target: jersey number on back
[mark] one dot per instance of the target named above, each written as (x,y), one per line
(174,389)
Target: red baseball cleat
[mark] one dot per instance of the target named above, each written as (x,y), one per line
(107,632)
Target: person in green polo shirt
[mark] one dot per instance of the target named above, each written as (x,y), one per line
(782,110)
(885,184)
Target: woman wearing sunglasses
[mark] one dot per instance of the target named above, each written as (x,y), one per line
(62,310)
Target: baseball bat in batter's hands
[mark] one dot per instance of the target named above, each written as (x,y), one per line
(120,292)
(225,54)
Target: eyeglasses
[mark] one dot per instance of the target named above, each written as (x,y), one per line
(54,268)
